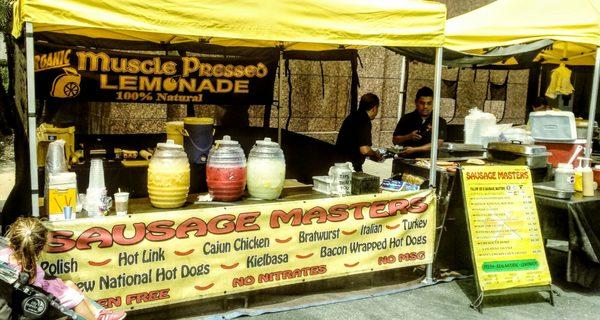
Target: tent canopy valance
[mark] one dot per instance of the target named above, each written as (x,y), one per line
(508,22)
(295,25)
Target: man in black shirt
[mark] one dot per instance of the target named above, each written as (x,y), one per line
(413,131)
(354,139)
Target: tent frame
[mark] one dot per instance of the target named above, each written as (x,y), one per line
(31,116)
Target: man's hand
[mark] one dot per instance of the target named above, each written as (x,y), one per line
(376,156)
(408,151)
(414,136)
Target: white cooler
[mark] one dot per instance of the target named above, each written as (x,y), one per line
(553,126)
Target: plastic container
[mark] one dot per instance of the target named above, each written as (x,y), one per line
(476,124)
(342,178)
(174,131)
(323,184)
(564,177)
(168,176)
(198,138)
(226,170)
(597,174)
(578,185)
(587,178)
(582,126)
(266,170)
(553,126)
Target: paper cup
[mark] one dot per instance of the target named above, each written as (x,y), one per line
(121,203)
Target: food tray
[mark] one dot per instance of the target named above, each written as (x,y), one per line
(547,189)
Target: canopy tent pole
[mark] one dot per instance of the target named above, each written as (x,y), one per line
(402,85)
(280,82)
(33,170)
(593,100)
(435,123)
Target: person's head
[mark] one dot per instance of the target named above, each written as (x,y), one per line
(540,104)
(27,238)
(424,101)
(369,103)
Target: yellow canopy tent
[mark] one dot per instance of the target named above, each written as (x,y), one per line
(301,25)
(508,22)
(574,26)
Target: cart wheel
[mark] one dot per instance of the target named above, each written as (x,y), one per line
(71,89)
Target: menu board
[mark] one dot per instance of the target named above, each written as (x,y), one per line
(504,230)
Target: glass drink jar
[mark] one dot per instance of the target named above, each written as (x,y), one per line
(168,176)
(266,170)
(226,170)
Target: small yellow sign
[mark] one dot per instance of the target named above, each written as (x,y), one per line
(506,240)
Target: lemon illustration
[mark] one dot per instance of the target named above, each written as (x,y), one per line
(170,84)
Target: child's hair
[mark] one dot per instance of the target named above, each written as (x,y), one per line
(27,237)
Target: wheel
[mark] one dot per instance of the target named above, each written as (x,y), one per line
(71,89)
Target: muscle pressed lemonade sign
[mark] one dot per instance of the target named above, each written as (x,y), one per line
(506,240)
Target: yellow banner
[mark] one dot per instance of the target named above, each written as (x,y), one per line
(504,227)
(152,259)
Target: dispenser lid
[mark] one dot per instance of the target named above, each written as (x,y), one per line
(267,143)
(194,120)
(170,144)
(226,141)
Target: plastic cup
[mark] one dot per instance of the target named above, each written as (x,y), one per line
(55,158)
(68,212)
(96,175)
(121,203)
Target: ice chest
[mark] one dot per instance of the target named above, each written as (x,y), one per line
(363,183)
(553,126)
(560,152)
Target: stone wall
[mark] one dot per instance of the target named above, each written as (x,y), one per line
(472,90)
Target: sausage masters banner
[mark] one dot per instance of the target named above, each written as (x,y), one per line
(67,74)
(152,259)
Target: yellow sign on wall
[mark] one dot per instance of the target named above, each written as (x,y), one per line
(506,240)
(159,258)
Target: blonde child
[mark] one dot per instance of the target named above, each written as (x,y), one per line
(27,239)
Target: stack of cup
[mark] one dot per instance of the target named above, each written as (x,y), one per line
(96,191)
(55,158)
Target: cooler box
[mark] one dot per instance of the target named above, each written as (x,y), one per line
(553,126)
(561,152)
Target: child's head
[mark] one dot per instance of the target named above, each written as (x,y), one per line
(27,237)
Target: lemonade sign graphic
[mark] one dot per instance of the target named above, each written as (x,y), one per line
(94,75)
(67,84)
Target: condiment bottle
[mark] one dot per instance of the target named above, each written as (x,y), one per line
(564,177)
(266,170)
(168,176)
(587,178)
(578,186)
(226,170)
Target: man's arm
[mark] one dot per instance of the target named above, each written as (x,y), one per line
(425,147)
(402,139)
(369,152)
